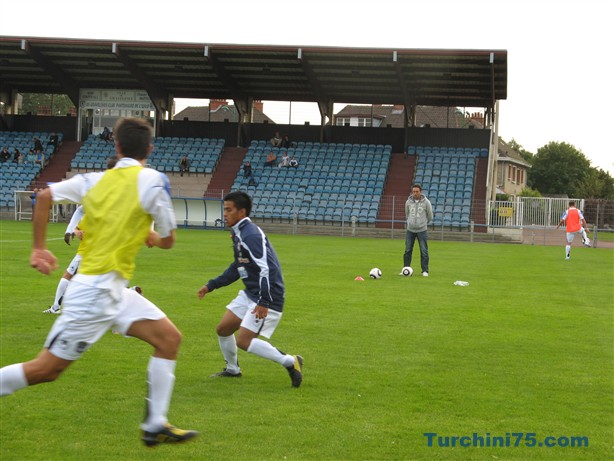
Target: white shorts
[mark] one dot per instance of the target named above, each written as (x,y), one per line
(242,307)
(74,264)
(571,235)
(89,311)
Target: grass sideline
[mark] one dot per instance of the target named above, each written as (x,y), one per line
(525,348)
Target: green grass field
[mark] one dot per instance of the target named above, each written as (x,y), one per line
(527,347)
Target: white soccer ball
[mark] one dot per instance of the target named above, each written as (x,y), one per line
(407,271)
(375,273)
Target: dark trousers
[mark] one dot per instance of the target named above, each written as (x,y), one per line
(410,239)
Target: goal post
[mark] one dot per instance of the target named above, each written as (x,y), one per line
(24,206)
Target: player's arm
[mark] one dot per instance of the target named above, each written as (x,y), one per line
(256,245)
(41,258)
(229,276)
(69,234)
(562,221)
(155,240)
(156,200)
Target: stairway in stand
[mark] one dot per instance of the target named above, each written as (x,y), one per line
(224,175)
(398,184)
(59,164)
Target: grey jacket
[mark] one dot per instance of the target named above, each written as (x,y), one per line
(418,213)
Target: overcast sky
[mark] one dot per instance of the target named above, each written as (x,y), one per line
(558,51)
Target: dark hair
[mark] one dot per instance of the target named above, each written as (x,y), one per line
(418,186)
(572,203)
(241,201)
(111,162)
(134,136)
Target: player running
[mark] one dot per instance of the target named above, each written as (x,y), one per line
(575,224)
(120,205)
(257,310)
(72,230)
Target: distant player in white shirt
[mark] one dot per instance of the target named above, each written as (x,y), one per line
(72,230)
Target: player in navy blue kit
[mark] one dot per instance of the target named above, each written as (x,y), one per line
(257,309)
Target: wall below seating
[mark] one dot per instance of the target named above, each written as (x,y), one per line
(65,125)
(398,138)
(199,212)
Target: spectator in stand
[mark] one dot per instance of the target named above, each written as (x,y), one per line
(40,158)
(293,162)
(17,157)
(54,141)
(106,134)
(286,143)
(276,140)
(249,174)
(184,165)
(247,169)
(31,158)
(38,145)
(5,155)
(285,160)
(271,159)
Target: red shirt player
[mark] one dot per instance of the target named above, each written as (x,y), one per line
(574,224)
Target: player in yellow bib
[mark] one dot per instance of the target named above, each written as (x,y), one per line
(119,207)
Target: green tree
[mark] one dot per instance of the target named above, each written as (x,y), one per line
(597,184)
(528,192)
(526,155)
(60,104)
(559,168)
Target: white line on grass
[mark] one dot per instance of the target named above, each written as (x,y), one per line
(28,240)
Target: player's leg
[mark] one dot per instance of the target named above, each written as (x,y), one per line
(247,339)
(585,240)
(88,315)
(570,237)
(143,320)
(229,324)
(59,294)
(71,270)
(44,368)
(225,330)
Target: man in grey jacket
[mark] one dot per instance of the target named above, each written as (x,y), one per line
(418,213)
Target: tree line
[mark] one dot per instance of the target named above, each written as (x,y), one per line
(558,168)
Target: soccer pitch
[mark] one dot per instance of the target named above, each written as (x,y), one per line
(522,358)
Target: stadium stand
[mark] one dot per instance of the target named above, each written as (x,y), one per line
(447,176)
(333,181)
(202,153)
(19,176)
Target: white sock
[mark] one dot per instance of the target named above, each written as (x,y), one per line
(228,345)
(60,290)
(160,382)
(567,250)
(12,378)
(267,351)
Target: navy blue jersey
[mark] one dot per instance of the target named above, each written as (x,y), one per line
(256,263)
